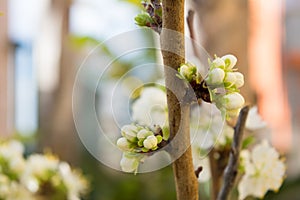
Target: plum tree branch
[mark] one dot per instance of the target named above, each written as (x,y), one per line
(173,51)
(230,171)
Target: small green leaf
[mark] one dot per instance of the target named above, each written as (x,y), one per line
(248,141)
(166,133)
(143,19)
(140,143)
(159,138)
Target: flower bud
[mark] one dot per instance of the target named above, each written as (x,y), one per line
(142,134)
(129,132)
(150,142)
(218,63)
(233,113)
(233,101)
(129,163)
(188,71)
(215,76)
(123,144)
(230,61)
(230,78)
(239,79)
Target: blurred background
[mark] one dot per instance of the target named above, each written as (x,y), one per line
(44,42)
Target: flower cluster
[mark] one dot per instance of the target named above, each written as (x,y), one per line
(137,140)
(38,176)
(222,76)
(152,16)
(222,82)
(264,170)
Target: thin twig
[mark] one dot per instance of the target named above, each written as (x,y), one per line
(198,171)
(190,22)
(230,171)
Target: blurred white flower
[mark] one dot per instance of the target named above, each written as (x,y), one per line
(12,153)
(264,170)
(208,126)
(38,167)
(254,120)
(198,161)
(73,180)
(151,107)
(130,162)
(230,61)
(12,190)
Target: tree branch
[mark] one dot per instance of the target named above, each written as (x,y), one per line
(190,23)
(230,172)
(172,44)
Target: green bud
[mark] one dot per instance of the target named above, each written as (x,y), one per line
(143,19)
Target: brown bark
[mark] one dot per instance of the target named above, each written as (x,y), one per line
(173,55)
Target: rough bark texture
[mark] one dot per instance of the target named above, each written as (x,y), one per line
(173,55)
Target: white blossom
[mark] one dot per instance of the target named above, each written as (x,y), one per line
(198,161)
(215,76)
(123,144)
(12,153)
(209,126)
(142,134)
(151,107)
(218,63)
(230,77)
(38,168)
(254,120)
(239,79)
(129,132)
(264,170)
(188,71)
(73,180)
(230,61)
(130,162)
(150,142)
(233,101)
